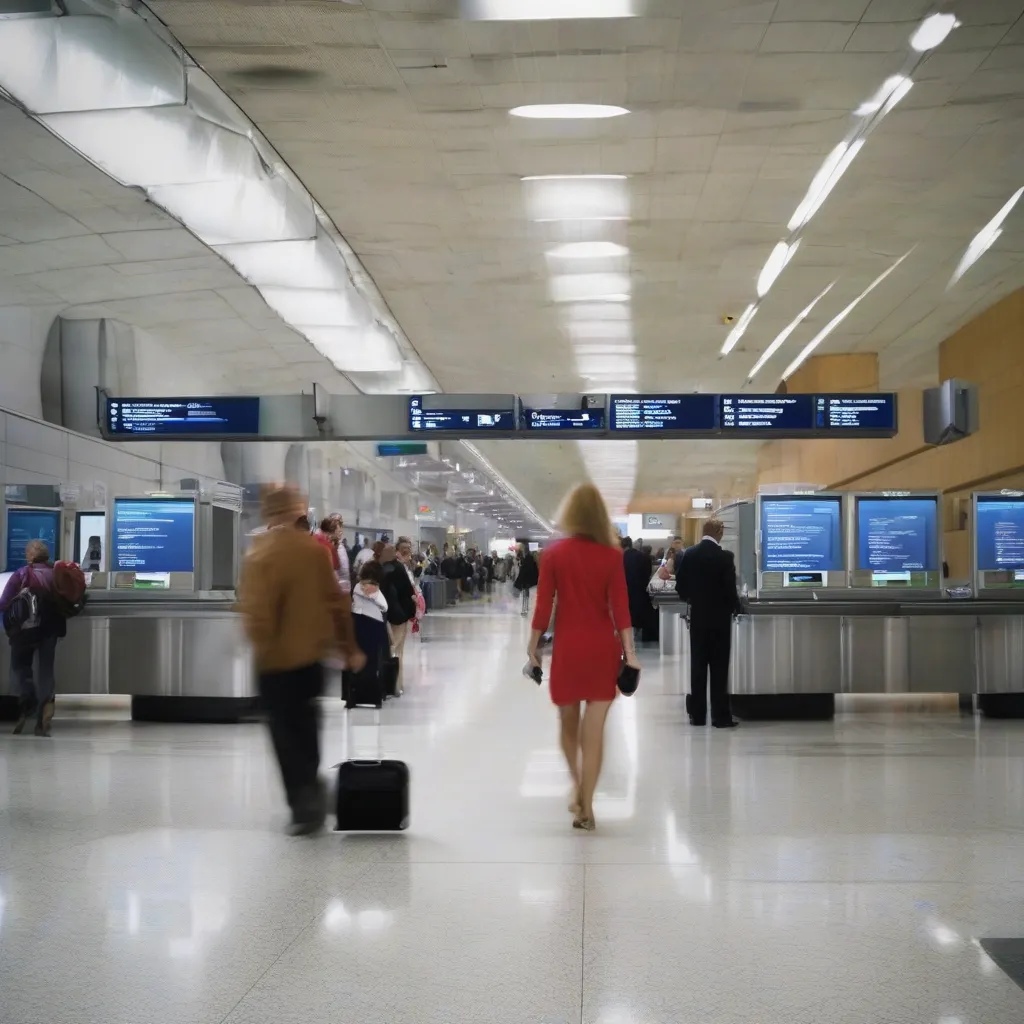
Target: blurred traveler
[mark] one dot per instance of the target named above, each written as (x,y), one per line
(33,624)
(638,570)
(707,582)
(329,536)
(398,590)
(295,615)
(526,576)
(362,556)
(370,617)
(302,524)
(584,572)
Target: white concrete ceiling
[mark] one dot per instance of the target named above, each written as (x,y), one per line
(395,115)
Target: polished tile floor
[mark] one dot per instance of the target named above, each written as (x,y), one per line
(836,873)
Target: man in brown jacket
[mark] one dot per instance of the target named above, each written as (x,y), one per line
(295,616)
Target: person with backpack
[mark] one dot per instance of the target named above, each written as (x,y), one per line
(36,603)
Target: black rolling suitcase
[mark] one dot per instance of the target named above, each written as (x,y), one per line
(373,794)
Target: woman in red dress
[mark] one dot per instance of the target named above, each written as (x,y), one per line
(592,635)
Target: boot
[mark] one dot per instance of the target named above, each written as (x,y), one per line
(26,706)
(45,718)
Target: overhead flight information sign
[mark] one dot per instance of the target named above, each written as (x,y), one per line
(782,413)
(183,417)
(855,412)
(563,419)
(456,420)
(696,413)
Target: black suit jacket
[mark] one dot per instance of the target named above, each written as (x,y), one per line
(706,580)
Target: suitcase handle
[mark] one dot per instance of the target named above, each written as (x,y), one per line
(364,763)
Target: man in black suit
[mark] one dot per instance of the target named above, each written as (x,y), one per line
(637,567)
(706,580)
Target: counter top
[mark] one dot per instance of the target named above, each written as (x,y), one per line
(869,606)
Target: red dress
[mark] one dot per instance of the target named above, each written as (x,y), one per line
(590,584)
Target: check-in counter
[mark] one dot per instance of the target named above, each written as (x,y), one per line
(813,648)
(181,658)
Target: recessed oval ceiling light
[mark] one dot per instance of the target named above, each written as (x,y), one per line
(568,111)
(932,31)
(588,250)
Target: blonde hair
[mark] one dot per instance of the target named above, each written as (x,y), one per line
(584,514)
(36,551)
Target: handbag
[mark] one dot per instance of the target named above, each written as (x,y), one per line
(629,679)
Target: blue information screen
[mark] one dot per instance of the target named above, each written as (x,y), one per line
(665,412)
(784,414)
(187,417)
(1000,533)
(801,534)
(154,535)
(855,412)
(563,419)
(459,420)
(25,524)
(897,534)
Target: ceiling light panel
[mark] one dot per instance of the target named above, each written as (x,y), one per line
(780,340)
(775,264)
(592,311)
(58,65)
(984,239)
(593,330)
(546,10)
(739,329)
(838,319)
(295,264)
(357,349)
(557,199)
(932,32)
(588,251)
(568,111)
(834,167)
(311,307)
(157,146)
(583,287)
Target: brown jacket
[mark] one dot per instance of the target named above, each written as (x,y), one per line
(294,610)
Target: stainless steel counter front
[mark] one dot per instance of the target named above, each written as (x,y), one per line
(186,648)
(874,646)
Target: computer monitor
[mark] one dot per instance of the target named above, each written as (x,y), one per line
(998,521)
(800,541)
(896,540)
(25,524)
(153,542)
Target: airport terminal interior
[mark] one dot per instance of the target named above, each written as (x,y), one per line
(752,268)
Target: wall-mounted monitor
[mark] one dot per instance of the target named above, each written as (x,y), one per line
(429,415)
(696,413)
(896,541)
(999,540)
(26,524)
(91,540)
(224,416)
(799,537)
(153,535)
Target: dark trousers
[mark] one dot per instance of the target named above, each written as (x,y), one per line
(34,688)
(710,648)
(293,716)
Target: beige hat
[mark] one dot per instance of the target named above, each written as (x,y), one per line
(281,504)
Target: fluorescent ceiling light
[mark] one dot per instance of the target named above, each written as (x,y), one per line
(226,212)
(984,239)
(541,10)
(604,349)
(583,287)
(933,31)
(357,349)
(824,181)
(568,111)
(775,264)
(575,177)
(738,329)
(157,146)
(590,330)
(785,333)
(555,199)
(588,251)
(895,85)
(62,64)
(312,307)
(839,318)
(606,365)
(294,264)
(597,311)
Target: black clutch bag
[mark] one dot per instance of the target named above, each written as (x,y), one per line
(629,680)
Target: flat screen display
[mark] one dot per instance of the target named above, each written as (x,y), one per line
(183,417)
(25,524)
(563,419)
(999,529)
(664,412)
(153,535)
(801,534)
(91,541)
(897,535)
(855,412)
(458,420)
(784,414)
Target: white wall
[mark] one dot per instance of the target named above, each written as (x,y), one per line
(23,333)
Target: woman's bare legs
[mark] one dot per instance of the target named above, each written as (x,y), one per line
(569,716)
(592,741)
